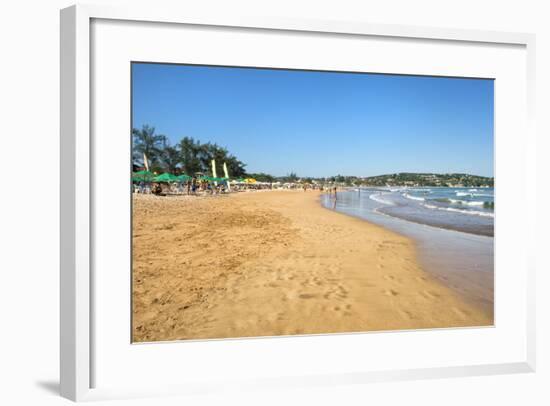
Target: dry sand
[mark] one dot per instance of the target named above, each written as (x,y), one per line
(276,263)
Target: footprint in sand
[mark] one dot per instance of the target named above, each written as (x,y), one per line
(459,312)
(307,296)
(342,292)
(407,314)
(429,295)
(390,292)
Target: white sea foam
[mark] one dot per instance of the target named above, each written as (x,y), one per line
(466,202)
(463,194)
(470,212)
(377,198)
(408,196)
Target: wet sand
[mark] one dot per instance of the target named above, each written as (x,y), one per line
(277,263)
(461,261)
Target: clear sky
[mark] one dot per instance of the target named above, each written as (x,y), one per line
(322,123)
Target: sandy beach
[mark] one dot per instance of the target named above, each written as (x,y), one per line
(277,263)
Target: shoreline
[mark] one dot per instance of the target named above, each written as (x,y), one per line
(462,273)
(277,263)
(381,213)
(387,210)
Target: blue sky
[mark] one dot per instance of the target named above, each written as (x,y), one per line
(322,123)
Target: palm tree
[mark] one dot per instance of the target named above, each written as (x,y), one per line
(171,158)
(235,167)
(189,155)
(292,177)
(145,141)
(214,152)
(208,152)
(205,154)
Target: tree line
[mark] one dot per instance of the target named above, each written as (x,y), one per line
(430,179)
(188,156)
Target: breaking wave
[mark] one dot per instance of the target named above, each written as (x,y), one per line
(453,209)
(408,196)
(377,198)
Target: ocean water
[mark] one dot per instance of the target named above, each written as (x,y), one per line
(470,210)
(452,228)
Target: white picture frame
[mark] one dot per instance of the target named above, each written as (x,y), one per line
(77,355)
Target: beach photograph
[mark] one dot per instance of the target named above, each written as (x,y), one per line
(278,202)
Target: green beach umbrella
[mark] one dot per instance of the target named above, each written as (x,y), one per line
(184,177)
(166,177)
(142,176)
(209,178)
(213,179)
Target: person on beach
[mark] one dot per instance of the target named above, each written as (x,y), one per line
(157,189)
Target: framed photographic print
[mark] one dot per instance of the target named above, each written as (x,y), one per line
(271,203)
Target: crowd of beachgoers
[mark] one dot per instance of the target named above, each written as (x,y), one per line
(197,186)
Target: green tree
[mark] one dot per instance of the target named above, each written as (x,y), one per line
(262,177)
(145,141)
(189,155)
(208,152)
(291,177)
(171,159)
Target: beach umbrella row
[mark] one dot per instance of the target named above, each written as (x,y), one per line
(244,180)
(147,176)
(166,177)
(212,179)
(143,176)
(184,177)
